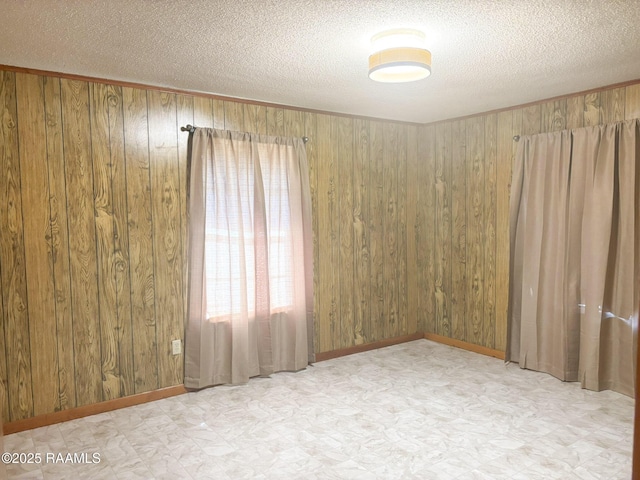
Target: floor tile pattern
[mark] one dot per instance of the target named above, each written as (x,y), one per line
(419,410)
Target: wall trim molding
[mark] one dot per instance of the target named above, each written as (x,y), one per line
(140,398)
(123,83)
(159,88)
(342,352)
(92,409)
(471,347)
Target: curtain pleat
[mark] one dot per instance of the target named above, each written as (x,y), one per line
(574,255)
(250,301)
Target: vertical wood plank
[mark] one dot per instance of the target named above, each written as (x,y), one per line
(475,227)
(632,102)
(275,121)
(104,224)
(184,109)
(310,130)
(250,117)
(390,194)
(553,115)
(442,260)
(361,218)
(136,135)
(167,247)
(612,104)
(82,240)
(343,149)
(219,119)
(12,259)
(293,123)
(233,116)
(202,112)
(403,306)
(489,241)
(326,192)
(412,294)
(261,120)
(34,187)
(459,204)
(531,120)
(122,279)
(575,109)
(426,229)
(504,162)
(377,251)
(60,243)
(591,113)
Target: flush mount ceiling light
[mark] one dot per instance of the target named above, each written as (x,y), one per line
(399,55)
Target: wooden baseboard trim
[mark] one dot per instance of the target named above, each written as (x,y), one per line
(320,357)
(93,409)
(465,345)
(115,404)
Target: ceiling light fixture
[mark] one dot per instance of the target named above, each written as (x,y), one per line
(399,55)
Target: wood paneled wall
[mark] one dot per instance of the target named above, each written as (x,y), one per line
(468,209)
(410,228)
(92,233)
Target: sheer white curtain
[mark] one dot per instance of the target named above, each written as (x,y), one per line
(250,289)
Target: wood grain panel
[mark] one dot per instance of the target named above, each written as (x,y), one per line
(411,199)
(59,243)
(104,224)
(390,195)
(377,215)
(261,120)
(504,162)
(361,218)
(426,228)
(343,143)
(275,121)
(293,123)
(167,227)
(632,102)
(575,109)
(122,279)
(310,130)
(401,166)
(531,120)
(554,115)
(218,113)
(233,116)
(612,105)
(475,228)
(489,219)
(591,113)
(136,135)
(203,112)
(34,183)
(326,190)
(458,262)
(82,240)
(442,259)
(12,260)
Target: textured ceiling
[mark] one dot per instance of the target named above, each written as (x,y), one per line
(487,54)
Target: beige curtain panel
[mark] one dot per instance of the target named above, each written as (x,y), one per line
(575,251)
(250,287)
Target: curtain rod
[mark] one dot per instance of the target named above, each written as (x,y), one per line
(190,128)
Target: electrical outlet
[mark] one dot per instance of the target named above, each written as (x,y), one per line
(176,347)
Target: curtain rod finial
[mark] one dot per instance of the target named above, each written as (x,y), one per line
(516,137)
(188,128)
(305,139)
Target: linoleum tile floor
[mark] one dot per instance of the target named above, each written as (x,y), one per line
(418,410)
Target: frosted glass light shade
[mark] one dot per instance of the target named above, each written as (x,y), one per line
(399,56)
